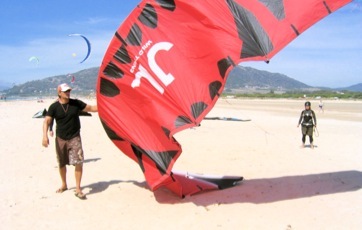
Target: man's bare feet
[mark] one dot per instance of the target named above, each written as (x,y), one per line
(61,189)
(80,195)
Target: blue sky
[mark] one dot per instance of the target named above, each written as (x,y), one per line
(328,54)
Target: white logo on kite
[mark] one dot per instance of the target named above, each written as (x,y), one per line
(140,54)
(166,79)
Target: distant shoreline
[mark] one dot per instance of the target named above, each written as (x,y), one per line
(40,99)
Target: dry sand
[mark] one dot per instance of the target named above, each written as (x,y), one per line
(285,187)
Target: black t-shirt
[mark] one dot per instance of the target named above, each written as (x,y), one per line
(67,117)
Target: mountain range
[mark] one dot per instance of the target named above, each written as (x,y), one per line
(240,79)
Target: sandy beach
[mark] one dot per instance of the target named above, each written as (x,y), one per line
(285,187)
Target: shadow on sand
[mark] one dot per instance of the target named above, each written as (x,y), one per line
(257,191)
(92,160)
(268,190)
(103,185)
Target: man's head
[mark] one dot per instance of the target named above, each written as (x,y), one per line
(307,105)
(64,89)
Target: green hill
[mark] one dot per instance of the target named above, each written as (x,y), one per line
(241,80)
(84,84)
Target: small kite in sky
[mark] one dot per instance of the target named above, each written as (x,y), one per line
(34,59)
(88,46)
(72,78)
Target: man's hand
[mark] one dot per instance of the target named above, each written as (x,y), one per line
(45,142)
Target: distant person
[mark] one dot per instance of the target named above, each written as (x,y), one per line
(68,143)
(321,106)
(308,120)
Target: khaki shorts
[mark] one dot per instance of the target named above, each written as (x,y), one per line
(69,152)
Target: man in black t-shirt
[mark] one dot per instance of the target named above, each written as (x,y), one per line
(308,121)
(68,141)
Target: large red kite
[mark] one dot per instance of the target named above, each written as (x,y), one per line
(168,63)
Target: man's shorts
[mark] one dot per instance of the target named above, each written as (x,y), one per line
(307,130)
(69,152)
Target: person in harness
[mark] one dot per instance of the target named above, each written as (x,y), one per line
(308,121)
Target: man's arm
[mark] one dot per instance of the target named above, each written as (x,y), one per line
(51,132)
(314,118)
(91,108)
(46,123)
(300,119)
